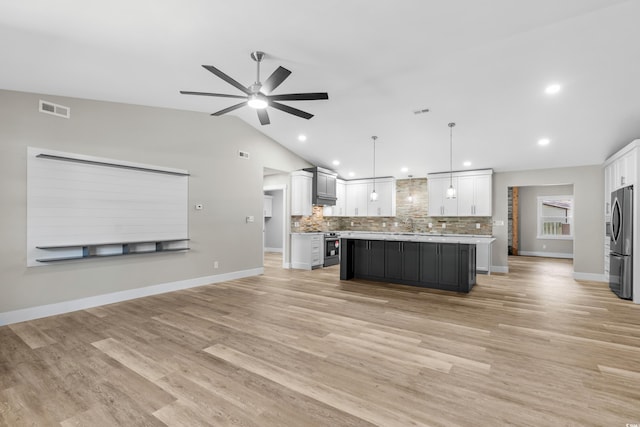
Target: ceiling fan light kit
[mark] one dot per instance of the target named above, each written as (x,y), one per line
(258,95)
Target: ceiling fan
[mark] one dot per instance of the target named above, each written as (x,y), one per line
(258,95)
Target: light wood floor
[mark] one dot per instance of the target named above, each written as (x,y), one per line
(292,348)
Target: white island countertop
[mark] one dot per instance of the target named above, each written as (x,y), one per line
(418,237)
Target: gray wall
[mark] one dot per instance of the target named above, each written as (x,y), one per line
(588,189)
(528,204)
(274,226)
(229,187)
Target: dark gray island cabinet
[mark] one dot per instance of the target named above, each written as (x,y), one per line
(448,266)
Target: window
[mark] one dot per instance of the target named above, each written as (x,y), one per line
(555,217)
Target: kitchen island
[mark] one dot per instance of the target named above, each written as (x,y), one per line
(439,262)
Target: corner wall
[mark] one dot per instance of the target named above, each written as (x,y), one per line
(230,188)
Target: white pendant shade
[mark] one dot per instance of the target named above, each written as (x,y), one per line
(451,192)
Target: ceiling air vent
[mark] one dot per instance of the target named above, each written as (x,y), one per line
(243,154)
(54,109)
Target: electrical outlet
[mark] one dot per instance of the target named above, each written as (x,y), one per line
(544,246)
(215,264)
(296,224)
(395,224)
(444,225)
(430,225)
(352,223)
(384,224)
(477,225)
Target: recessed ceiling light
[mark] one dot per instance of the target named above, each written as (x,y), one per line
(404,169)
(544,141)
(302,138)
(467,164)
(552,89)
(336,162)
(352,174)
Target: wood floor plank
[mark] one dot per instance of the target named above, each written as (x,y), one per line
(301,348)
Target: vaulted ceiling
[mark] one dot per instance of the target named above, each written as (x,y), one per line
(481,64)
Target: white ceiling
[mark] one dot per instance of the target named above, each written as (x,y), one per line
(481,64)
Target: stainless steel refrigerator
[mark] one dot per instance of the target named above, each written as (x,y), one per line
(621,249)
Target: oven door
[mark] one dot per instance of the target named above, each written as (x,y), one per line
(331,247)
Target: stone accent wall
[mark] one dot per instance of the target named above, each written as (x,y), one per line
(411,216)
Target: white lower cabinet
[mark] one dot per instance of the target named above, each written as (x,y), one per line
(306,250)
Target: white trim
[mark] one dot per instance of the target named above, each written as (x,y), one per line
(273,250)
(286,265)
(499,269)
(592,277)
(547,254)
(38,312)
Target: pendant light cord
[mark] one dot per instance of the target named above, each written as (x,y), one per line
(374,162)
(451,125)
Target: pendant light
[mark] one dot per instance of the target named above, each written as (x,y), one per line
(451,192)
(374,195)
(410,198)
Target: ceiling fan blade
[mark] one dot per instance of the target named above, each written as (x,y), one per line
(274,80)
(227,79)
(299,96)
(263,116)
(228,109)
(222,95)
(291,110)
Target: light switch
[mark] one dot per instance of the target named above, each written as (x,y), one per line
(250,218)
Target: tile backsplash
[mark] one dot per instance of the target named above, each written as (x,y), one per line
(411,216)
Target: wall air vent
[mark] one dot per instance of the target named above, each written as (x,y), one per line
(54,109)
(243,154)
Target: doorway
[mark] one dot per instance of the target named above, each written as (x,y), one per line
(275,226)
(534,228)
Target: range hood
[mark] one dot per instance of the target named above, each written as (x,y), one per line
(324,186)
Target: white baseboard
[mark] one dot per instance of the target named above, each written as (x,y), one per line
(592,277)
(499,269)
(38,312)
(547,254)
(273,250)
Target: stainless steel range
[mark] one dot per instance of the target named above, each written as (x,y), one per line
(331,249)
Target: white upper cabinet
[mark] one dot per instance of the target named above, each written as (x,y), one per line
(340,208)
(357,198)
(301,183)
(385,205)
(473,193)
(439,205)
(267,207)
(621,169)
